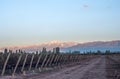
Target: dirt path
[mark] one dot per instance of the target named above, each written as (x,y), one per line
(98,71)
(94,69)
(103,67)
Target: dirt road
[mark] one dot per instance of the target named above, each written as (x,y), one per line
(97,68)
(94,69)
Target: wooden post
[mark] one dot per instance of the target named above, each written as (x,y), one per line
(79,58)
(4,67)
(55,59)
(36,66)
(76,58)
(64,59)
(17,64)
(48,60)
(44,60)
(59,60)
(67,59)
(31,62)
(52,59)
(70,59)
(73,59)
(24,62)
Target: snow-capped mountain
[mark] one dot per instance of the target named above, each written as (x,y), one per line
(94,46)
(73,46)
(47,45)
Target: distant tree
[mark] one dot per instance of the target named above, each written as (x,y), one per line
(107,52)
(76,52)
(99,52)
(44,50)
(5,50)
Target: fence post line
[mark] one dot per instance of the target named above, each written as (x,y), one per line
(57,60)
(61,59)
(79,58)
(44,61)
(17,64)
(58,63)
(38,61)
(31,62)
(53,56)
(64,60)
(4,67)
(24,62)
(74,58)
(47,62)
(70,59)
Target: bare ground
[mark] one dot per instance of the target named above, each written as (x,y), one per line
(97,68)
(94,69)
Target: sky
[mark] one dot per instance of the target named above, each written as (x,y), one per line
(29,22)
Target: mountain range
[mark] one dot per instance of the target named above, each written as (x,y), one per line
(74,46)
(95,46)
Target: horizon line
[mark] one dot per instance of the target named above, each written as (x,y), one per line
(56,41)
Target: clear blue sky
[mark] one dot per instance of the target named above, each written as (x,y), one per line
(27,22)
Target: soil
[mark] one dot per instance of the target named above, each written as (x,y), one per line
(102,67)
